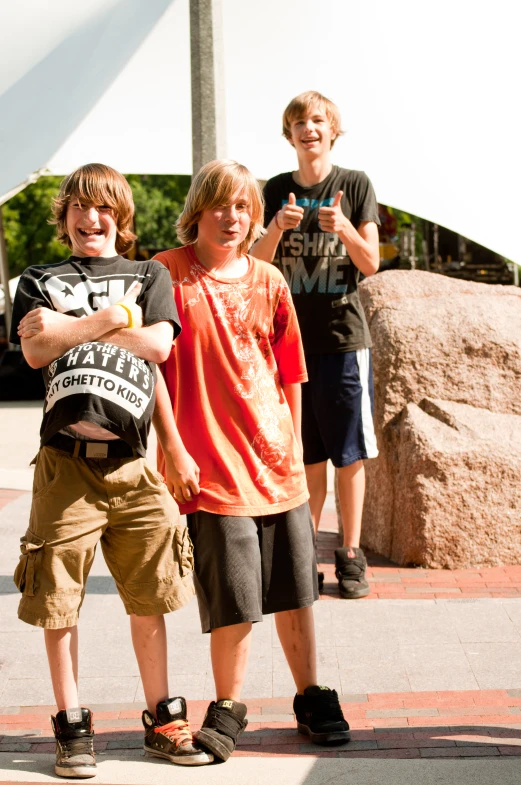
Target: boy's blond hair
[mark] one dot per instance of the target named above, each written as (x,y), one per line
(303,104)
(96,185)
(216,183)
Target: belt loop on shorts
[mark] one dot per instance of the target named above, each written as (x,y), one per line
(77,445)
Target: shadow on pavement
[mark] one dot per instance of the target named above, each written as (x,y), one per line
(96,584)
(456,741)
(426,755)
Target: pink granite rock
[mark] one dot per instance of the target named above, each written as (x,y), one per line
(456,486)
(454,341)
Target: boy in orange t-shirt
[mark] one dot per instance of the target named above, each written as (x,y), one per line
(235,464)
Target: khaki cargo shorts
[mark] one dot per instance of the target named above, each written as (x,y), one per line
(122,503)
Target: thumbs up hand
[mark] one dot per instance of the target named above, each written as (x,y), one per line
(332,219)
(290,215)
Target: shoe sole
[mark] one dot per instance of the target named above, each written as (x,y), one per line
(76,772)
(333,737)
(345,595)
(213,744)
(185,760)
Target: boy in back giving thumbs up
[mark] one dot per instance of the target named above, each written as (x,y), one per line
(322,230)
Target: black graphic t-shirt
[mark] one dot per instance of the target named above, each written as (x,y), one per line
(322,278)
(98,382)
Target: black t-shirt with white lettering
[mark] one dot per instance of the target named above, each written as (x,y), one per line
(322,278)
(98,382)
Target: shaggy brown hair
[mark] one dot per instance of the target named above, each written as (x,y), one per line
(96,184)
(303,104)
(217,182)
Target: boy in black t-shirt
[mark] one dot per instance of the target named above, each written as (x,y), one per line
(96,324)
(321,229)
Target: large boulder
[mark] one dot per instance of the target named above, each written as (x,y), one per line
(444,339)
(456,479)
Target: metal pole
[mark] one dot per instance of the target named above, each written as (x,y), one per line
(414,258)
(4,277)
(436,246)
(207,71)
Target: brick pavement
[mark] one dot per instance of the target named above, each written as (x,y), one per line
(391,582)
(476,724)
(461,724)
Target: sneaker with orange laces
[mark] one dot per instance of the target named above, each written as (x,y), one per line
(169,736)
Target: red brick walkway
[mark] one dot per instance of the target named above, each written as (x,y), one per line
(390,582)
(398,725)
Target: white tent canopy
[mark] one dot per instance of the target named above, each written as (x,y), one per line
(428,94)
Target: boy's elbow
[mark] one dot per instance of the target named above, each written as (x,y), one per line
(31,361)
(35,361)
(374,264)
(33,358)
(162,353)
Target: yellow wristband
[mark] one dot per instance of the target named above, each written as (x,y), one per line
(129,314)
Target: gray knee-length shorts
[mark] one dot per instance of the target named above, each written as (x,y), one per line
(249,566)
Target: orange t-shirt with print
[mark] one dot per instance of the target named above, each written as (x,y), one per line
(240,342)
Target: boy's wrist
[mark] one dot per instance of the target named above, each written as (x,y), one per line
(130,318)
(119,316)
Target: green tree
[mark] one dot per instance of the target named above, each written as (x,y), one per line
(29,238)
(159,200)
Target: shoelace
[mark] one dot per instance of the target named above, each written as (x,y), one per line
(71,747)
(177,731)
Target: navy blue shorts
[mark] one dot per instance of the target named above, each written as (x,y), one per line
(338,408)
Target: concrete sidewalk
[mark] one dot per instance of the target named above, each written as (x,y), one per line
(428,668)
(127,769)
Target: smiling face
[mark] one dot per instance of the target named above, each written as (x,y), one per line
(312,134)
(92,229)
(225,226)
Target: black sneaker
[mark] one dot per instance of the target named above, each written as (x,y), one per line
(170,736)
(222,725)
(319,715)
(350,571)
(74,735)
(320,581)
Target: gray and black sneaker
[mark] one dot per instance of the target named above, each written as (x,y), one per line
(222,726)
(320,716)
(170,736)
(351,565)
(74,735)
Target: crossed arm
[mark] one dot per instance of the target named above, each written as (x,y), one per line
(46,335)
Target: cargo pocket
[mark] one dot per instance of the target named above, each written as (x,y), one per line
(47,471)
(184,550)
(25,573)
